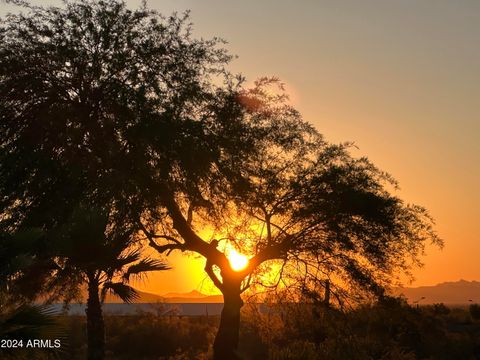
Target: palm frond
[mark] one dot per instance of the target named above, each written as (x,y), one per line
(117,262)
(27,322)
(145,265)
(123,291)
(127,258)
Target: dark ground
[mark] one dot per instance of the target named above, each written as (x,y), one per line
(388,330)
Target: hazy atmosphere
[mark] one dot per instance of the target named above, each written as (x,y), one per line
(400,79)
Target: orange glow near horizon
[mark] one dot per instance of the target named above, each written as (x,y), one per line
(407,96)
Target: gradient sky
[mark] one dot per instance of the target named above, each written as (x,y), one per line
(400,78)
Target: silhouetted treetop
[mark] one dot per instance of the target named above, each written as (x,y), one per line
(307,213)
(98,100)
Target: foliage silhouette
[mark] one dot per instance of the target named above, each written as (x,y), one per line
(101,257)
(386,329)
(102,105)
(22,271)
(295,330)
(307,206)
(124,110)
(98,102)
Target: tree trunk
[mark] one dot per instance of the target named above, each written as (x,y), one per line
(95,324)
(226,342)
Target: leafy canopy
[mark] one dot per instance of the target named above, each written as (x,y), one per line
(306,212)
(104,104)
(125,110)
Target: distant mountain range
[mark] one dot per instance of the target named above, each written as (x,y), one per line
(452,293)
(190,297)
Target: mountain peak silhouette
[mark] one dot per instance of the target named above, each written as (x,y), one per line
(190,294)
(450,292)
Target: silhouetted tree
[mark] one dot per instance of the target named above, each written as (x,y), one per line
(302,204)
(103,259)
(100,105)
(83,251)
(24,269)
(97,101)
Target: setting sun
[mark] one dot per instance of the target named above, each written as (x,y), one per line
(237,260)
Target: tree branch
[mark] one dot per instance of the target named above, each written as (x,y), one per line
(272,252)
(211,274)
(190,214)
(193,242)
(150,234)
(177,245)
(248,283)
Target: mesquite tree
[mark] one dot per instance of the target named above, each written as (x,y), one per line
(302,204)
(98,102)
(112,107)
(102,105)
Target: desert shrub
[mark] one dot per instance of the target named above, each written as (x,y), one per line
(148,336)
(440,309)
(388,329)
(475,311)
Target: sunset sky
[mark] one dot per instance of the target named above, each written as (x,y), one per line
(399,78)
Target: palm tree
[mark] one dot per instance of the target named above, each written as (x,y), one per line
(102,257)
